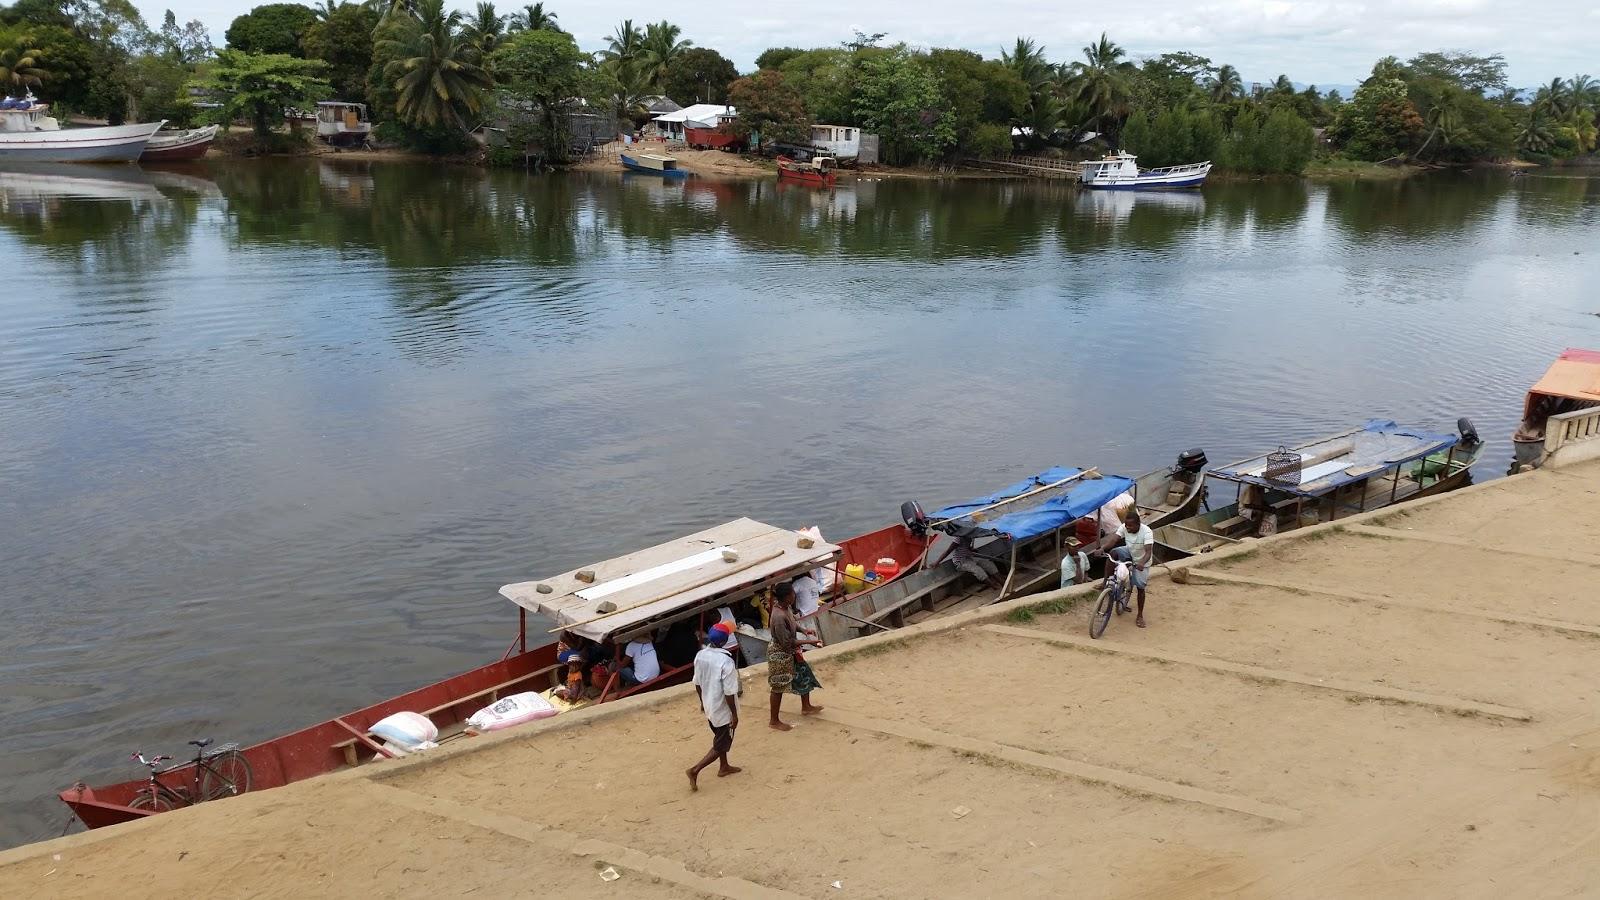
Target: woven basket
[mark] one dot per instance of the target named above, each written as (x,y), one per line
(1283,466)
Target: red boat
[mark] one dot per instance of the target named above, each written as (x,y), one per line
(169,146)
(659,587)
(712,139)
(816,173)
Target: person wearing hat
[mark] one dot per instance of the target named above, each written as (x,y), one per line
(716,678)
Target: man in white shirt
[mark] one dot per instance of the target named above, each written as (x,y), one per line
(1138,549)
(807,594)
(642,663)
(716,678)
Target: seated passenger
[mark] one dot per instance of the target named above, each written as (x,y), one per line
(969,561)
(642,664)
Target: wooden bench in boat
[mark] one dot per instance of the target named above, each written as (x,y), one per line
(923,596)
(348,746)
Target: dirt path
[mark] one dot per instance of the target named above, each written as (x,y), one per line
(983,761)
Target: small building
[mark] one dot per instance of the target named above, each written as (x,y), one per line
(701,115)
(343,123)
(842,142)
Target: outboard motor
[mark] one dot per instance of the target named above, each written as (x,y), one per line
(916,520)
(1191,462)
(1469,433)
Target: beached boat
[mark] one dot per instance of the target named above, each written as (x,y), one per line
(676,587)
(29,134)
(1376,465)
(1120,171)
(653,164)
(1561,403)
(819,172)
(1021,529)
(170,146)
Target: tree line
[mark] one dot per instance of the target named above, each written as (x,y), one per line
(430,74)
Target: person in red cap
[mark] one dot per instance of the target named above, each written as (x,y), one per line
(716,677)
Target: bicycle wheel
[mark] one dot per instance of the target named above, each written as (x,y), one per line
(224,775)
(154,802)
(1100,613)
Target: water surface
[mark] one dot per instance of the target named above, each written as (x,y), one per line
(272,434)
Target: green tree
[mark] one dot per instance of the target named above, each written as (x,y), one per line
(1171,79)
(20,67)
(1380,122)
(544,69)
(486,30)
(978,91)
(1225,85)
(1478,74)
(661,48)
(827,78)
(775,57)
(260,85)
(533,18)
(1046,111)
(160,90)
(769,108)
(899,101)
(343,40)
(437,83)
(273,28)
(1099,84)
(699,74)
(188,44)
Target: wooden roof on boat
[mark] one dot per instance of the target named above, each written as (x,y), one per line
(624,596)
(1574,375)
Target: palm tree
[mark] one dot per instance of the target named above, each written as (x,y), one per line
(625,45)
(19,65)
(327,8)
(534,18)
(661,48)
(1100,83)
(485,30)
(1225,85)
(1584,92)
(1027,60)
(1535,135)
(1508,96)
(1444,118)
(1554,99)
(433,69)
(1282,86)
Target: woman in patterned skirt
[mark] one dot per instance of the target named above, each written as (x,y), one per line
(787,670)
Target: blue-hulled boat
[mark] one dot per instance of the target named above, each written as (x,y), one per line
(653,164)
(1120,172)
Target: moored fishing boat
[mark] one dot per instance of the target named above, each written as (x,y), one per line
(29,134)
(1020,529)
(1560,407)
(674,587)
(653,164)
(170,146)
(1367,468)
(818,172)
(1120,171)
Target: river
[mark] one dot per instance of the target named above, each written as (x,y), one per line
(273,433)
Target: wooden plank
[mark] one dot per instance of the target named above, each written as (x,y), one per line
(1204,576)
(1583,559)
(1370,691)
(1118,778)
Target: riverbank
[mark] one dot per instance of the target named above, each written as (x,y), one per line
(1396,704)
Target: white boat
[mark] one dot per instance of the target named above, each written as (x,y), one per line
(29,134)
(1120,171)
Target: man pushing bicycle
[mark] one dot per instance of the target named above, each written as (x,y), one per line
(1135,544)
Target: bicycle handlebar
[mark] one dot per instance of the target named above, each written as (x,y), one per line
(152,762)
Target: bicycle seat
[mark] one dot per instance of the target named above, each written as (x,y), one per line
(201,744)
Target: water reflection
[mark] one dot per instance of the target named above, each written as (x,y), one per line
(106,218)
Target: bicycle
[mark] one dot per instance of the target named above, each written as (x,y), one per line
(1114,592)
(224,772)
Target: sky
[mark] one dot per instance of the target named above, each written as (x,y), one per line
(1331,42)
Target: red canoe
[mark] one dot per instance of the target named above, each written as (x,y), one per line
(816,173)
(167,146)
(344,741)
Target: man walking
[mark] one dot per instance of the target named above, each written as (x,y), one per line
(717,679)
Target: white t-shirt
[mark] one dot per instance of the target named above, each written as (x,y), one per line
(1137,542)
(1071,565)
(716,678)
(807,595)
(645,665)
(1113,512)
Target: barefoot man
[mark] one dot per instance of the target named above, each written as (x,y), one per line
(717,679)
(787,670)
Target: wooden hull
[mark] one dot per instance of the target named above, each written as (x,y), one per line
(712,139)
(184,146)
(1222,527)
(806,176)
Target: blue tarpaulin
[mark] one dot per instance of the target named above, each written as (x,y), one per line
(1060,507)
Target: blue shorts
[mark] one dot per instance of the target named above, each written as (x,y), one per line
(1141,577)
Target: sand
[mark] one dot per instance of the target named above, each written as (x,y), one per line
(939,766)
